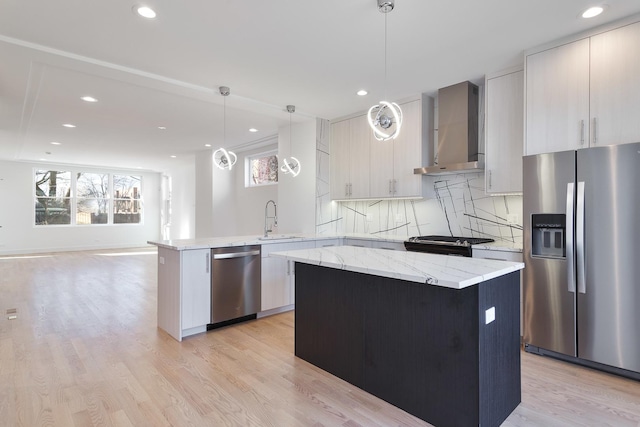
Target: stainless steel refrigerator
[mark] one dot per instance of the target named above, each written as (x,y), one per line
(582,256)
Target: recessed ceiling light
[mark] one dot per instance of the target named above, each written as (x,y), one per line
(69,125)
(56,143)
(173,157)
(362,92)
(253,130)
(593,11)
(43,160)
(162,128)
(207,145)
(89,99)
(145,11)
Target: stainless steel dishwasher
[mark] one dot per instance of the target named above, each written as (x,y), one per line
(235,282)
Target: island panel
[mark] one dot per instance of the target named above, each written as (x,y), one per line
(422,348)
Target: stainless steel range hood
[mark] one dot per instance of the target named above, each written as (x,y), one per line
(457,131)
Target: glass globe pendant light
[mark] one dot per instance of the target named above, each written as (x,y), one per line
(385,118)
(222,158)
(290,165)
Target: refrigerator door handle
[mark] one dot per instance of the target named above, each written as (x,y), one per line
(571,266)
(582,286)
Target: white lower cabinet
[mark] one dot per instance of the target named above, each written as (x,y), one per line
(394,246)
(361,243)
(196,288)
(329,242)
(278,276)
(374,243)
(184,291)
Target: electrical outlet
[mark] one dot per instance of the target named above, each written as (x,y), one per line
(161,260)
(489,315)
(512,218)
(399,218)
(369,217)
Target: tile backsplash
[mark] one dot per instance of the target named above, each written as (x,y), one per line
(452,205)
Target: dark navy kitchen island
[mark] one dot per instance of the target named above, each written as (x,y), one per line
(447,352)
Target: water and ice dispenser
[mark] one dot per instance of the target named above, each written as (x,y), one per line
(548,238)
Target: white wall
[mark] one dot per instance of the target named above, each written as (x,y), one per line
(250,201)
(19,234)
(204,194)
(183,200)
(297,196)
(224,206)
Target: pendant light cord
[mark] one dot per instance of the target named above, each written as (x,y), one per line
(224,121)
(385,55)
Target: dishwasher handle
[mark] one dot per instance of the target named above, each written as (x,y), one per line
(236,254)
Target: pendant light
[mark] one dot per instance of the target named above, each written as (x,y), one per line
(222,158)
(385,118)
(290,165)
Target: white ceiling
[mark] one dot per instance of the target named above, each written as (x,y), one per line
(166,71)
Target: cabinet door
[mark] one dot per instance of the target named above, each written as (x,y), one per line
(196,288)
(381,168)
(340,141)
(407,152)
(276,286)
(557,99)
(359,157)
(615,86)
(504,132)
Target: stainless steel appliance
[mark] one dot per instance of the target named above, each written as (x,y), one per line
(457,132)
(582,274)
(235,282)
(445,245)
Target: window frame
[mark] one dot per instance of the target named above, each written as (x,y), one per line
(74,198)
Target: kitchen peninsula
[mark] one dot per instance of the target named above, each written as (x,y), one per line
(437,336)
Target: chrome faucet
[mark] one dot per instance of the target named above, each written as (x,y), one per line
(267,230)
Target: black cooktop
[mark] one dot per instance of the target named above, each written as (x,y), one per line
(451,239)
(447,245)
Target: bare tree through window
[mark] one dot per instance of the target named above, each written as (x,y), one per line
(127,199)
(53,197)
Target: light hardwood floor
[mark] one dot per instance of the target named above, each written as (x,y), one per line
(84,350)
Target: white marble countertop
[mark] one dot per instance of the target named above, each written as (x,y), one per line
(441,270)
(221,242)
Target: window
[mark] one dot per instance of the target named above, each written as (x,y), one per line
(262,169)
(92,198)
(52,197)
(87,198)
(127,206)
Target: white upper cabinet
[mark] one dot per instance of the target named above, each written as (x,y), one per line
(557,98)
(407,153)
(615,86)
(350,159)
(504,95)
(340,138)
(380,169)
(361,137)
(585,93)
(393,161)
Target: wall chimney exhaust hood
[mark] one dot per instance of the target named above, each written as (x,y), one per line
(457,131)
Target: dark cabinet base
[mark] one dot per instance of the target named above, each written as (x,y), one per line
(425,349)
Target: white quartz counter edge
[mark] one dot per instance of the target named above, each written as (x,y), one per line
(441,270)
(221,242)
